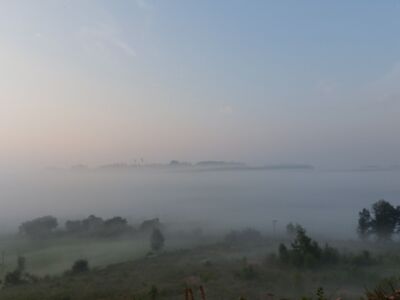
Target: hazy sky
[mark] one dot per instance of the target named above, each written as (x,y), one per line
(258,81)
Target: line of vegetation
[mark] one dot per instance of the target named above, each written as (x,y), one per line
(92,226)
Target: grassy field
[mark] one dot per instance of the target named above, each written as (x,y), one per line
(54,256)
(226,272)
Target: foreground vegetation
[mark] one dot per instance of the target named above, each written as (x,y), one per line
(148,261)
(226,270)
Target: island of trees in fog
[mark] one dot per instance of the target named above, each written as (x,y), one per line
(207,165)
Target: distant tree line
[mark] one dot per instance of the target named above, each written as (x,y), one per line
(96,226)
(382,221)
(39,228)
(92,226)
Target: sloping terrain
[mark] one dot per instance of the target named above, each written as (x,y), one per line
(226,272)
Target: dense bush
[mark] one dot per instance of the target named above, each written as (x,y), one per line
(80,266)
(13,278)
(305,252)
(19,275)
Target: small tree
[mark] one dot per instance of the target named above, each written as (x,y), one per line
(381,221)
(306,252)
(80,266)
(385,219)
(290,229)
(364,224)
(157,240)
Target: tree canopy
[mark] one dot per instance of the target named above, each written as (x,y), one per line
(382,221)
(39,227)
(306,252)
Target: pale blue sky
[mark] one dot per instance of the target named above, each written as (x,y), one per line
(256,81)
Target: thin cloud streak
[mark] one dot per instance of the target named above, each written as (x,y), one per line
(103,39)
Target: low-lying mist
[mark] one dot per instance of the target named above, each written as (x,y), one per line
(324,202)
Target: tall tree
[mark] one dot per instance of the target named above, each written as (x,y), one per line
(385,219)
(364,224)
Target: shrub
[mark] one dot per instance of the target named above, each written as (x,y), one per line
(80,266)
(19,276)
(13,278)
(305,252)
(386,289)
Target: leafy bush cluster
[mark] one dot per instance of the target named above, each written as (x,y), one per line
(305,252)
(92,226)
(19,275)
(80,266)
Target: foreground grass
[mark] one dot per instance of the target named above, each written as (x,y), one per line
(227,272)
(54,256)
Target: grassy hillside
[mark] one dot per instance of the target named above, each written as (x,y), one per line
(54,256)
(226,272)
